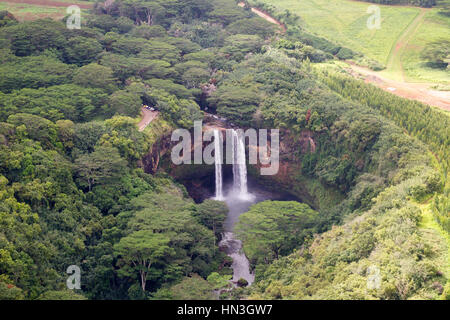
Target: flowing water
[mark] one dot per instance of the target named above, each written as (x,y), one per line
(218,164)
(238,199)
(239,165)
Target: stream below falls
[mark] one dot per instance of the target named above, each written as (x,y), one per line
(238,205)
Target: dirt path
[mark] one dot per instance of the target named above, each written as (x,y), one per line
(394,62)
(399,86)
(147,117)
(51,3)
(265,16)
(409,90)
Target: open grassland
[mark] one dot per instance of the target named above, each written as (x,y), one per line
(434,27)
(345,22)
(37,9)
(404,33)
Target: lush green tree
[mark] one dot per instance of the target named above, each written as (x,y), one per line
(271,229)
(61,295)
(171,87)
(34,72)
(219,281)
(99,166)
(147,32)
(238,45)
(236,103)
(123,134)
(10,292)
(212,214)
(194,77)
(32,37)
(437,54)
(124,67)
(108,23)
(57,102)
(193,287)
(207,35)
(253,25)
(185,46)
(226,12)
(35,127)
(159,50)
(140,249)
(87,135)
(123,102)
(81,50)
(95,76)
(182,112)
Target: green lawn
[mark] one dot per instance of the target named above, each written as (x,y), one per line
(433,28)
(26,11)
(345,22)
(404,33)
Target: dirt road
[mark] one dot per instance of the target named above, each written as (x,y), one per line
(395,57)
(409,90)
(265,16)
(147,117)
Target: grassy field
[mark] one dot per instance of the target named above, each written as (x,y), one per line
(345,22)
(31,10)
(433,28)
(404,32)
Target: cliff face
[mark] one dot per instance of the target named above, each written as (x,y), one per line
(290,178)
(199,179)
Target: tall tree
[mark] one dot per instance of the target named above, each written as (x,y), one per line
(102,164)
(273,228)
(141,249)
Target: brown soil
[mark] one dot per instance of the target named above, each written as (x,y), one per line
(147,117)
(409,90)
(265,16)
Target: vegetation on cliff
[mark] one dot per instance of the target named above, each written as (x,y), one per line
(73,190)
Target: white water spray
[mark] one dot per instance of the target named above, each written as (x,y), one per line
(239,165)
(218,163)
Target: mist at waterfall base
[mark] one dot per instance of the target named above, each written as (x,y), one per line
(237,205)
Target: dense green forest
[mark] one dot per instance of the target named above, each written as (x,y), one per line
(73,189)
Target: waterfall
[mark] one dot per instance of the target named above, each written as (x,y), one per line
(218,163)
(239,165)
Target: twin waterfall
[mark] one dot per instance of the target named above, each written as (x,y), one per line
(239,166)
(238,201)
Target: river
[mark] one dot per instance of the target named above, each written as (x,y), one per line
(237,206)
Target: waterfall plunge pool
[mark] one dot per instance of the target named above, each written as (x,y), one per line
(237,205)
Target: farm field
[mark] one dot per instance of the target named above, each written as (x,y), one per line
(25,10)
(434,27)
(345,22)
(404,32)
